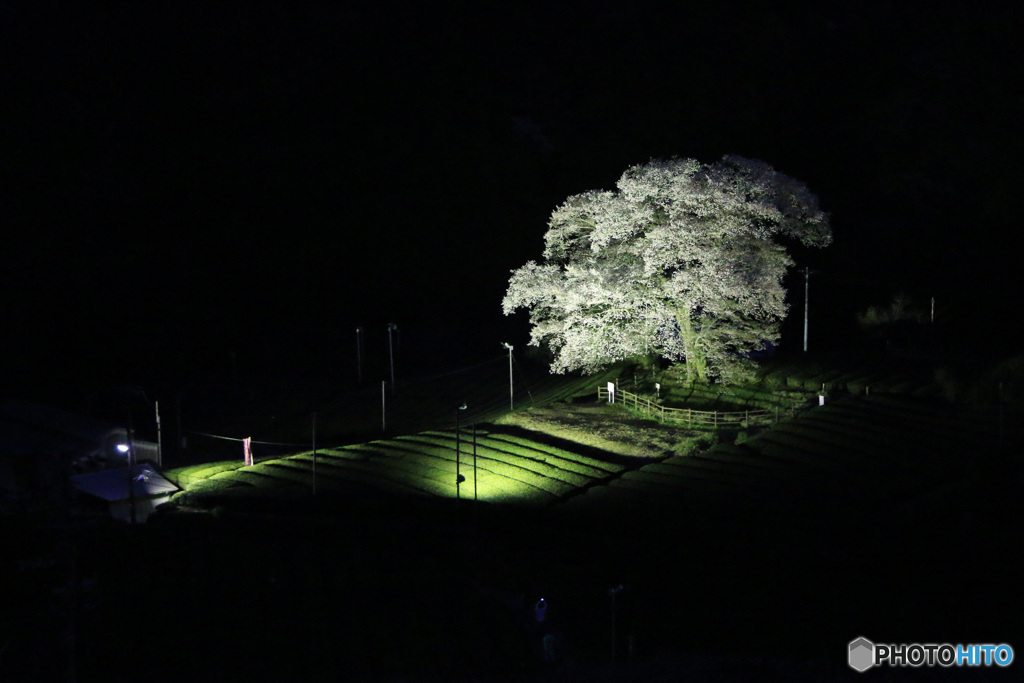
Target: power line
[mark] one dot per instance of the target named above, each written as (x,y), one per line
(238,439)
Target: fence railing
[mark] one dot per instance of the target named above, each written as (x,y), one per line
(690,417)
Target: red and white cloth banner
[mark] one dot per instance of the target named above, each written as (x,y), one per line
(247,450)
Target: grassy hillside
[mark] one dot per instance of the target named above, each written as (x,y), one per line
(848,519)
(854,507)
(500,463)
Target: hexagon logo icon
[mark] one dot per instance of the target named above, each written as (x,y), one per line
(862,654)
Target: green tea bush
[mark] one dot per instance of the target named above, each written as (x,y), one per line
(694,477)
(188,476)
(570,465)
(208,485)
(795,450)
(761,470)
(554,470)
(647,487)
(521,473)
(601,465)
(835,381)
(669,471)
(409,447)
(392,478)
(704,470)
(257,479)
(815,383)
(858,386)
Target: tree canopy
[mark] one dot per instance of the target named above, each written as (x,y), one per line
(681,261)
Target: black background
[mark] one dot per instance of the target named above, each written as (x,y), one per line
(186,180)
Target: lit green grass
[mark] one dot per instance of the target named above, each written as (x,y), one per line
(530,448)
(397,476)
(186,476)
(561,469)
(507,469)
(248,475)
(515,465)
(751,470)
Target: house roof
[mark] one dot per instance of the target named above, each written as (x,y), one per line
(112,485)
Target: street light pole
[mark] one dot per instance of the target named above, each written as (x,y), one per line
(314,454)
(359,354)
(510,394)
(458,452)
(807,288)
(159,439)
(391,353)
(131,473)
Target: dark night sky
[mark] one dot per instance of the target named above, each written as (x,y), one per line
(180,179)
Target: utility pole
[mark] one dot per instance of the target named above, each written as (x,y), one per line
(458,452)
(180,434)
(383,411)
(359,354)
(510,394)
(391,353)
(807,289)
(159,440)
(131,473)
(314,454)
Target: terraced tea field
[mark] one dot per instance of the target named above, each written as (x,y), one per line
(499,464)
(855,453)
(849,518)
(862,452)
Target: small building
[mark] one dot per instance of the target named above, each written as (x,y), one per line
(41,446)
(131,494)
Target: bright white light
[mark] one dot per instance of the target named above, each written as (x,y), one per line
(122,447)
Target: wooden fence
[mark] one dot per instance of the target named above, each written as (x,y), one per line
(694,418)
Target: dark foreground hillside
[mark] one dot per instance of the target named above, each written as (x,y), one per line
(735,577)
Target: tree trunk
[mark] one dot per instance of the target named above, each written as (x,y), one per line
(696,360)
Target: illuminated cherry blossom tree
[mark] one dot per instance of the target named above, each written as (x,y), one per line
(681,261)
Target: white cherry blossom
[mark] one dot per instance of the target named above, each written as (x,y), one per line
(681,261)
